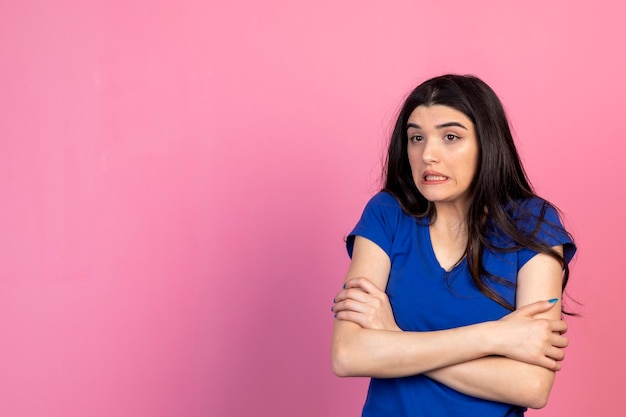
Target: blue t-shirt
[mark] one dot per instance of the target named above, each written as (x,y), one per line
(425,297)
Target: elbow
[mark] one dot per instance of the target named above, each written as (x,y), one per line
(340,362)
(345,359)
(351,352)
(538,401)
(339,369)
(538,392)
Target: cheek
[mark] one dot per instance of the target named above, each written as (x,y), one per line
(416,169)
(413,159)
(471,172)
(470,169)
(474,163)
(469,160)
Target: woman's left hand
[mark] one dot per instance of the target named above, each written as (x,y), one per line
(363,303)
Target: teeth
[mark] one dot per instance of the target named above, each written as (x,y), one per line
(435,178)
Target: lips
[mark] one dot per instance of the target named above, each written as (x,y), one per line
(432,176)
(435,178)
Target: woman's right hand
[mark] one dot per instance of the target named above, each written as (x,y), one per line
(530,339)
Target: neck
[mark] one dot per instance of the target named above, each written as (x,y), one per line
(448,235)
(451,217)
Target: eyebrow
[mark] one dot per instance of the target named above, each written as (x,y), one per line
(441,126)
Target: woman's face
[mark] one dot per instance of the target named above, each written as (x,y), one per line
(443,153)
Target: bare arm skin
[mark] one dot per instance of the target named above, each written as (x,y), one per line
(367,342)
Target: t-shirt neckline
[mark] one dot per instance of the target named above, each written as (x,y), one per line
(431,253)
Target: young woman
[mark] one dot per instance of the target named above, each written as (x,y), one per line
(452,301)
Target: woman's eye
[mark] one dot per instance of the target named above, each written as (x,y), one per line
(451,137)
(415,138)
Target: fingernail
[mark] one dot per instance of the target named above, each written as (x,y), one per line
(332,308)
(344,285)
(335,316)
(554,300)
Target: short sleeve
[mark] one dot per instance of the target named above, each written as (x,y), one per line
(378,222)
(550,231)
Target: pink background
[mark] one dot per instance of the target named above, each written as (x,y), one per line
(176,179)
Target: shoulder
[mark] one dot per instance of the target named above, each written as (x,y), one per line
(533,203)
(540,219)
(383,206)
(531,213)
(381,221)
(384,200)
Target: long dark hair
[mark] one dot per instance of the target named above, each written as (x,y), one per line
(500,184)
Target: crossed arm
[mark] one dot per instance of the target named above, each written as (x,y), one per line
(511,360)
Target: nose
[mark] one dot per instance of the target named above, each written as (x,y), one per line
(430,153)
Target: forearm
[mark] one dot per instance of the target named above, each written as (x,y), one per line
(499,379)
(386,354)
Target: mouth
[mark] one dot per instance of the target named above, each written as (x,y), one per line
(428,178)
